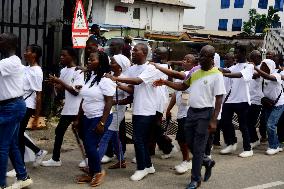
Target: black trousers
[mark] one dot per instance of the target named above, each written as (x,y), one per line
(23,141)
(64,122)
(241,109)
(262,125)
(280,128)
(252,117)
(196,132)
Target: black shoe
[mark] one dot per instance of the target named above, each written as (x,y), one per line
(208,169)
(193,185)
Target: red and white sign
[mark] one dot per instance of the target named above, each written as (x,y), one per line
(80,30)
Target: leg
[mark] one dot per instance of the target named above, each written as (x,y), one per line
(122,134)
(60,130)
(280,128)
(117,146)
(252,117)
(31,146)
(216,140)
(227,126)
(262,125)
(180,137)
(104,143)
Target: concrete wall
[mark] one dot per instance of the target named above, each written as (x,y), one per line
(152,16)
(195,16)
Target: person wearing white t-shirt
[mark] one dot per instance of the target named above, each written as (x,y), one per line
(238,101)
(119,64)
(205,97)
(12,111)
(141,75)
(255,94)
(95,115)
(69,78)
(272,90)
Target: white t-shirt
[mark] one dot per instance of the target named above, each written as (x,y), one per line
(118,110)
(240,86)
(32,83)
(11,78)
(162,91)
(272,89)
(72,78)
(181,102)
(204,87)
(145,95)
(93,96)
(255,90)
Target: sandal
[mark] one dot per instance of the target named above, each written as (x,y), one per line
(118,165)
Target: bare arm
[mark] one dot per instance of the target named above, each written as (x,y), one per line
(171,73)
(129,89)
(224,70)
(265,75)
(179,86)
(233,75)
(38,104)
(107,108)
(178,63)
(130,81)
(125,101)
(56,81)
(213,121)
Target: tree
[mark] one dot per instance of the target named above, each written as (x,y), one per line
(259,23)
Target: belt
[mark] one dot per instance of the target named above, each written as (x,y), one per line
(200,109)
(5,102)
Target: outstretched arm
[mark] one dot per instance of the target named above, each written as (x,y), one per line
(171,73)
(265,75)
(179,86)
(233,75)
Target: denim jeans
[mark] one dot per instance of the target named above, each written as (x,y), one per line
(252,117)
(11,115)
(114,137)
(272,116)
(141,131)
(91,141)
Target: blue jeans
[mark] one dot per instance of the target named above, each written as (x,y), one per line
(141,131)
(91,142)
(114,137)
(11,115)
(272,116)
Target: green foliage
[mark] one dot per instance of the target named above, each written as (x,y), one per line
(263,21)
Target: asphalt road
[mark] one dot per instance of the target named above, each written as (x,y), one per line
(230,172)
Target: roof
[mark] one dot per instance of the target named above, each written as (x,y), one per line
(178,3)
(216,33)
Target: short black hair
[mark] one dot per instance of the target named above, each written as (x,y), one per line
(241,47)
(37,50)
(94,27)
(11,41)
(72,52)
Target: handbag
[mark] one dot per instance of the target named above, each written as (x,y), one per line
(267,102)
(41,123)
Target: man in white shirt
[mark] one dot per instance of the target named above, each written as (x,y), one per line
(206,93)
(12,110)
(238,101)
(141,75)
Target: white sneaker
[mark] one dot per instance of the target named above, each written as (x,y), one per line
(139,175)
(22,183)
(106,159)
(51,163)
(255,144)
(39,157)
(245,154)
(183,167)
(271,151)
(83,163)
(229,149)
(134,160)
(151,170)
(167,156)
(280,149)
(11,173)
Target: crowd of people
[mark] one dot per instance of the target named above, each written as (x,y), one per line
(97,95)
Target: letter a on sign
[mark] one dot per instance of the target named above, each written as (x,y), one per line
(80,30)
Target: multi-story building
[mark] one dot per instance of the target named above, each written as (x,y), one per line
(229,15)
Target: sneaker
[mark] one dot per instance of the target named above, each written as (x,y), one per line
(255,144)
(98,179)
(167,156)
(151,170)
(134,160)
(245,154)
(83,163)
(51,163)
(22,183)
(280,149)
(11,173)
(39,157)
(106,159)
(139,175)
(271,151)
(6,187)
(183,167)
(229,149)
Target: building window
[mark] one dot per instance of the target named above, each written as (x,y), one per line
(279,5)
(262,4)
(239,4)
(121,9)
(276,25)
(136,13)
(225,4)
(223,24)
(237,25)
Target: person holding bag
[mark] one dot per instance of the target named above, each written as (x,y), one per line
(273,102)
